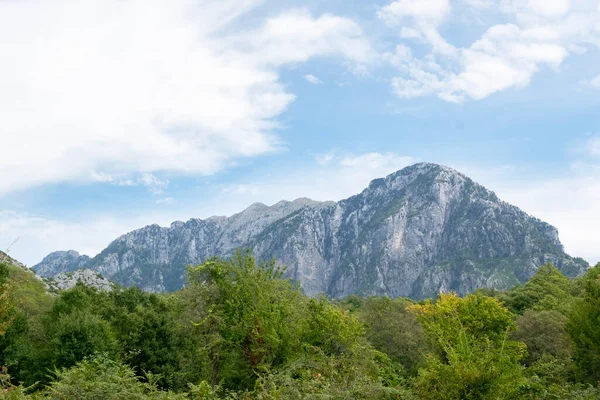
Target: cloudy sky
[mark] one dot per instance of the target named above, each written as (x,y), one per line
(115,114)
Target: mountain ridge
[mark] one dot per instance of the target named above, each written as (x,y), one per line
(421,230)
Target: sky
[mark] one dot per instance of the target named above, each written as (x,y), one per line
(116,114)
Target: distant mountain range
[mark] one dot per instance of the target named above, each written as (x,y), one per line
(418,232)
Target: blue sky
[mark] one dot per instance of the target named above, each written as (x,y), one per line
(118,114)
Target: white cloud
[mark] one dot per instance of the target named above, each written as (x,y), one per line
(166,200)
(424,15)
(430,11)
(324,159)
(550,9)
(296,36)
(577,49)
(240,189)
(313,79)
(480,4)
(596,82)
(540,34)
(591,147)
(409,33)
(139,87)
(503,58)
(154,184)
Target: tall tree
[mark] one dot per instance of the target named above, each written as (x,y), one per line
(248,315)
(544,334)
(584,328)
(548,289)
(143,324)
(474,359)
(392,329)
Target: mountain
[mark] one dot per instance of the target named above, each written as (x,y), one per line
(420,231)
(60,262)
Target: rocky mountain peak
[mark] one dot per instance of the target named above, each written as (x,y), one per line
(421,230)
(59,262)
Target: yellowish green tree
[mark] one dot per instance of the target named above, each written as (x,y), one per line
(473,357)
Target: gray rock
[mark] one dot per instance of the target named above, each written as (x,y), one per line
(60,261)
(420,231)
(87,277)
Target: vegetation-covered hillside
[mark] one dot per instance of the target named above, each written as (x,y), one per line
(239,330)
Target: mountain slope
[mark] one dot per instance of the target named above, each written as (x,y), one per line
(6,259)
(419,231)
(60,262)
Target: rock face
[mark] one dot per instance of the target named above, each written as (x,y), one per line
(60,261)
(87,277)
(418,232)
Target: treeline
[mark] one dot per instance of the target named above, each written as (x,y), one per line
(239,330)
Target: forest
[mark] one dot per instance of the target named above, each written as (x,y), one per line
(240,330)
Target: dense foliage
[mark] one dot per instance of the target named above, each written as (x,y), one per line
(5,304)
(239,330)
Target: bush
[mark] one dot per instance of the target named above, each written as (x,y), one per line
(100,378)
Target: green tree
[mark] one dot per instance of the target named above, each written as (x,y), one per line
(330,329)
(544,333)
(262,336)
(145,329)
(552,378)
(8,391)
(393,330)
(337,362)
(78,335)
(80,298)
(548,289)
(23,349)
(22,346)
(75,328)
(474,359)
(584,328)
(362,374)
(248,315)
(102,378)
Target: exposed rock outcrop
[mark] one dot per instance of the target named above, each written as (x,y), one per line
(87,277)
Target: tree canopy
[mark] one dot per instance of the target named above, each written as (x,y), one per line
(241,330)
